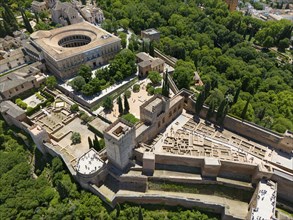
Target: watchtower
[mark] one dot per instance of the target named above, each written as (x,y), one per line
(120,141)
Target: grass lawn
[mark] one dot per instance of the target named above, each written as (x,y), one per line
(206,189)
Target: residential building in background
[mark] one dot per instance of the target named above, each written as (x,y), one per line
(151,34)
(38,7)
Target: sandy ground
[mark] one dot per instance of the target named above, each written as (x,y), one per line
(135,101)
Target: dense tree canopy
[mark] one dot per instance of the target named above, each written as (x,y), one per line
(221,46)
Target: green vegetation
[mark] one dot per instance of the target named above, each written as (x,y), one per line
(130,118)
(120,106)
(165,87)
(96,144)
(74,108)
(207,189)
(85,117)
(126,105)
(136,88)
(127,93)
(9,23)
(21,103)
(108,104)
(155,77)
(49,99)
(75,138)
(122,66)
(39,96)
(33,190)
(220,46)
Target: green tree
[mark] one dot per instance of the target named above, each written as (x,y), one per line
(165,88)
(154,77)
(283,44)
(269,42)
(126,105)
(238,108)
(244,111)
(152,49)
(235,99)
(220,111)
(90,142)
(26,22)
(75,138)
(77,83)
(182,77)
(87,89)
(210,112)
(86,72)
(128,93)
(118,209)
(96,144)
(108,104)
(124,23)
(51,82)
(136,88)
(74,108)
(199,102)
(3,32)
(140,215)
(120,106)
(207,89)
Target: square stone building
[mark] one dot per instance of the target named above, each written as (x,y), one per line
(65,49)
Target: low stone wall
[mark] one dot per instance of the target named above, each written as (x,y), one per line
(244,128)
(179,160)
(175,201)
(237,171)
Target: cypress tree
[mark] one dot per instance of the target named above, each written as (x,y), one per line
(97,144)
(140,215)
(152,49)
(143,46)
(225,111)
(7,28)
(207,89)
(126,105)
(26,22)
(165,88)
(3,32)
(10,18)
(243,114)
(9,13)
(90,142)
(214,83)
(262,114)
(120,107)
(211,110)
(118,208)
(37,17)
(220,111)
(199,102)
(235,99)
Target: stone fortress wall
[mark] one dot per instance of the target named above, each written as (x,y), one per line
(213,171)
(247,129)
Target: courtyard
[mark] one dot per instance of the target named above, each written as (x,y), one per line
(34,100)
(135,101)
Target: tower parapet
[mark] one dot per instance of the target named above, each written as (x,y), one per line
(120,141)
